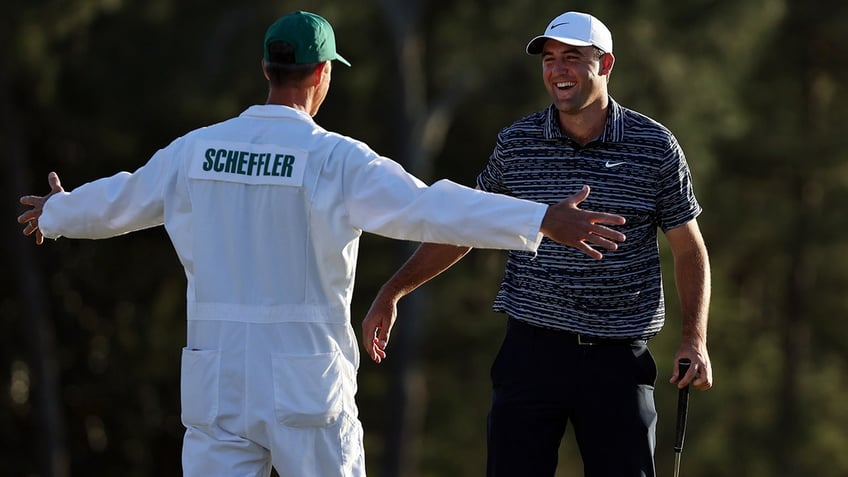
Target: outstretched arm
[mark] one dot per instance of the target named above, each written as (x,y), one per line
(564,223)
(428,261)
(31,216)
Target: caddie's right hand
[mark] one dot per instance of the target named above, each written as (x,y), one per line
(31,216)
(567,224)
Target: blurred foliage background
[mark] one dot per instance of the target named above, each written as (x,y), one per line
(754,90)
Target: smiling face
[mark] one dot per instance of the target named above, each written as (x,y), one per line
(575,76)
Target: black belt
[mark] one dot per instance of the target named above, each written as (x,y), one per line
(586,340)
(578,338)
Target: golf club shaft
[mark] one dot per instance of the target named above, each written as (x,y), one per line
(682,411)
(677,464)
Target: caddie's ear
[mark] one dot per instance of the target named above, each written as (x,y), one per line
(607,61)
(264,70)
(322,69)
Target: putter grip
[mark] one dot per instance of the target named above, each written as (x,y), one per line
(682,405)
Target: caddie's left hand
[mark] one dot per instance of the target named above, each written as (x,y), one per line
(31,216)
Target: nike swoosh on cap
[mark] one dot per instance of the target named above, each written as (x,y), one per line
(558,24)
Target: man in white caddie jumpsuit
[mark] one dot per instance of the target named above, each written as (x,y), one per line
(265,212)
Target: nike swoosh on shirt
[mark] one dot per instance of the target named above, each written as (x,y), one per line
(613,164)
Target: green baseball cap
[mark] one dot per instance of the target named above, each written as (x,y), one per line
(311,36)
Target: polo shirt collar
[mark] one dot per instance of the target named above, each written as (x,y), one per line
(613,129)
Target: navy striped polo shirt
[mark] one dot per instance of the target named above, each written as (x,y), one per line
(635,169)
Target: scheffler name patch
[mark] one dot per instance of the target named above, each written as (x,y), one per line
(248,163)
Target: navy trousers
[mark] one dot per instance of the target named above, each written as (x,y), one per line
(544,379)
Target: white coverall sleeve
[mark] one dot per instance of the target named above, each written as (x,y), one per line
(111,206)
(383,198)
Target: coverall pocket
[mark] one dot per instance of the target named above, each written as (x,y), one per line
(199,386)
(308,389)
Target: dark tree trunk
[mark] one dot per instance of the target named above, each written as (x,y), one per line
(49,438)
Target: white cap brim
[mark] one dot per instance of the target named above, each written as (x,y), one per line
(536,44)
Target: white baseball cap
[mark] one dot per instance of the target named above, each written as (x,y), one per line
(574,28)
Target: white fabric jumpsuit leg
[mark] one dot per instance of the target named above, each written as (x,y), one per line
(285,396)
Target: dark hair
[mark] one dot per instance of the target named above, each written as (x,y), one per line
(282,66)
(598,52)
